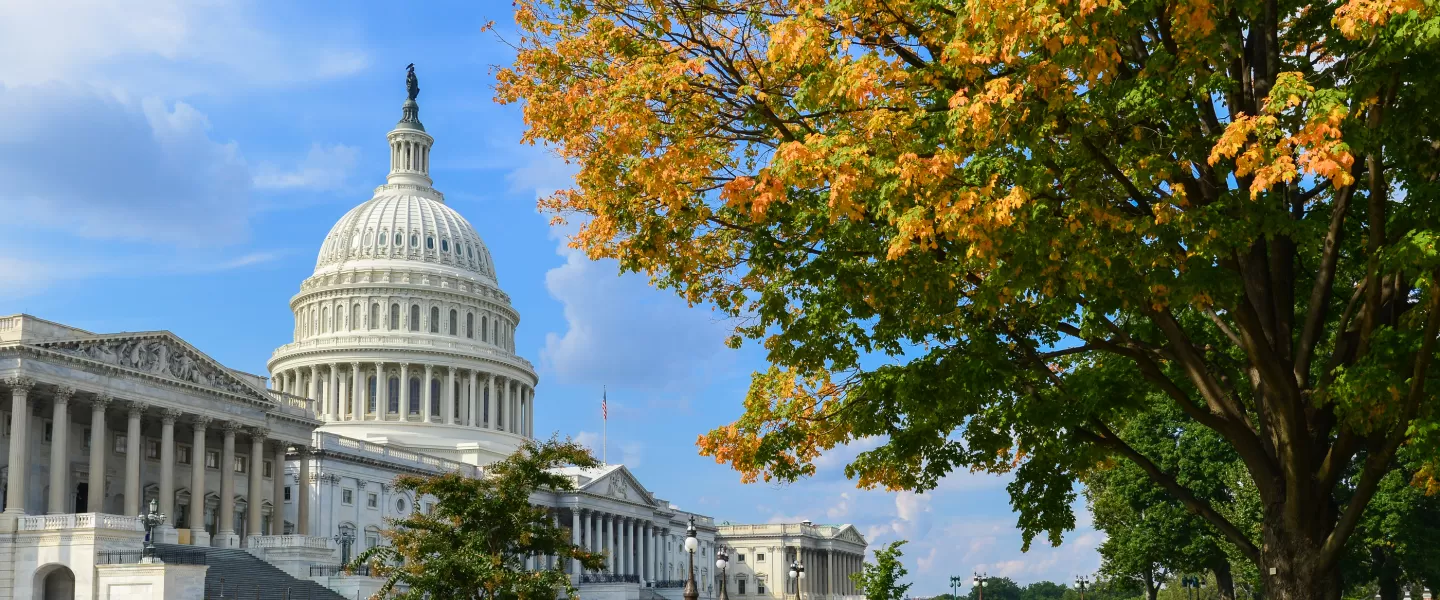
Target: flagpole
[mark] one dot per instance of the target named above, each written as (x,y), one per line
(604,428)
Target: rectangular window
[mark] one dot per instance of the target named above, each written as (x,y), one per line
(182,454)
(85,440)
(347,497)
(760,587)
(152,449)
(269,469)
(242,464)
(212,459)
(759,557)
(740,558)
(372,500)
(287,493)
(371,541)
(741,585)
(120,443)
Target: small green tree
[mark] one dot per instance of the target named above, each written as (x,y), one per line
(998,588)
(880,580)
(472,545)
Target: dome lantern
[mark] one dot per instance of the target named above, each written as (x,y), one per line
(409,144)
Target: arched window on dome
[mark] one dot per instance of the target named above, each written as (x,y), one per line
(485,328)
(355,317)
(374,315)
(434,319)
(367,239)
(429,242)
(470,325)
(414,407)
(394,317)
(414,317)
(454,321)
(414,241)
(444,245)
(392,397)
(399,240)
(324,319)
(383,238)
(435,397)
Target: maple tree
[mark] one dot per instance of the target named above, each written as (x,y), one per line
(986,230)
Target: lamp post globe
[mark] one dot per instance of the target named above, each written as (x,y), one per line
(151,519)
(722,562)
(692,592)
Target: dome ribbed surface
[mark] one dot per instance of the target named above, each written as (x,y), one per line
(427,231)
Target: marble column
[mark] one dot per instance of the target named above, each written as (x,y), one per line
(277,491)
(427,393)
(255,495)
(474,420)
(198,536)
(644,551)
(490,406)
(624,541)
(449,404)
(574,536)
(226,529)
(302,525)
(132,459)
(357,391)
(98,451)
(333,393)
(60,451)
(167,464)
(593,532)
(382,387)
(314,393)
(512,412)
(404,412)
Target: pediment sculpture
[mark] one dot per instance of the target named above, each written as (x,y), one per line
(156,356)
(619,489)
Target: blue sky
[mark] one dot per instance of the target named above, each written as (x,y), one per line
(175,164)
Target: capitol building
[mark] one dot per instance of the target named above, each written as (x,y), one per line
(402,361)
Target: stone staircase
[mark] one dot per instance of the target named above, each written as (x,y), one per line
(237,575)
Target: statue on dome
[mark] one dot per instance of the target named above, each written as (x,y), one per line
(412,85)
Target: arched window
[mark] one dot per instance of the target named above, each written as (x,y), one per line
(470,325)
(325,319)
(414,241)
(435,397)
(384,238)
(392,396)
(434,319)
(414,407)
(367,238)
(370,385)
(355,317)
(394,317)
(485,328)
(429,243)
(399,240)
(374,315)
(454,321)
(444,245)
(495,331)
(414,317)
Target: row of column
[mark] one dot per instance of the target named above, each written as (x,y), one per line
(632,545)
(20,390)
(342,393)
(827,572)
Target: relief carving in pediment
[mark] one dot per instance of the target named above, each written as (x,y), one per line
(158,356)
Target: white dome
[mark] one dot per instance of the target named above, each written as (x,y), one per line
(404,223)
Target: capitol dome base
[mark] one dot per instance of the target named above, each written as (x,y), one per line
(453,442)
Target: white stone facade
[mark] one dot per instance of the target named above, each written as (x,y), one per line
(761,557)
(402,362)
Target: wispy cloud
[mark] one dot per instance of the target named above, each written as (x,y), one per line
(325,168)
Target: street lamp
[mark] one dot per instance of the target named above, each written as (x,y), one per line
(345,539)
(957,582)
(980,585)
(1080,582)
(151,520)
(1191,583)
(691,591)
(722,561)
(797,573)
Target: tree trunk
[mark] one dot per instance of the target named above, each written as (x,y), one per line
(1386,575)
(1290,553)
(1151,589)
(1224,581)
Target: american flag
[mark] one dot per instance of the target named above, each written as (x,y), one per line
(604,407)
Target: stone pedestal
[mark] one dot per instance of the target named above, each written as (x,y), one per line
(154,581)
(166,534)
(199,538)
(225,540)
(293,554)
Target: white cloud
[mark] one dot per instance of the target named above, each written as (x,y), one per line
(620,330)
(841,507)
(630,452)
(325,168)
(100,166)
(166,47)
